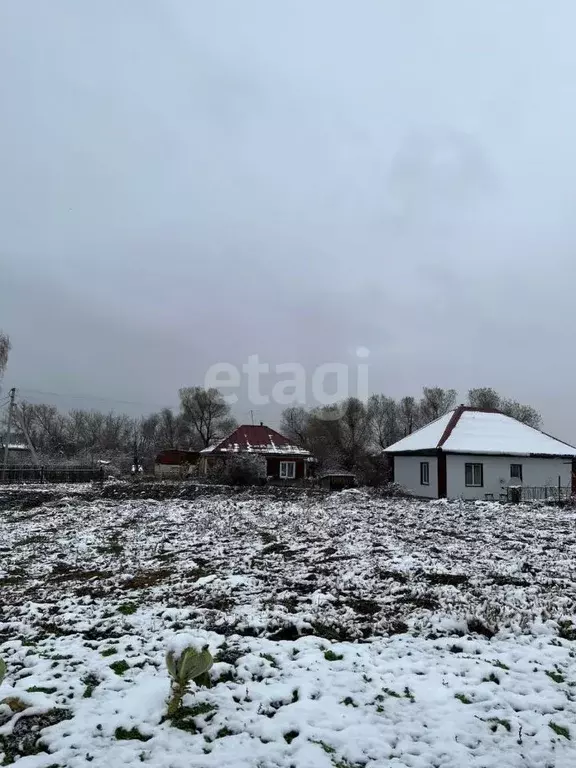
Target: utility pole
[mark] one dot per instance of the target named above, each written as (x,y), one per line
(27,436)
(8,430)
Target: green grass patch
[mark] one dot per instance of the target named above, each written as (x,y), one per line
(491,678)
(331,656)
(184,718)
(290,736)
(41,689)
(91,682)
(127,609)
(120,667)
(463,698)
(122,734)
(108,652)
(558,677)
(494,722)
(326,747)
(559,730)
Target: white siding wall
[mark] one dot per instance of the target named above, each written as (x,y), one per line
(407,474)
(535,472)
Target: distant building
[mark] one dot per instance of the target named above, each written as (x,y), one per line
(18,450)
(173,462)
(284,460)
(471,453)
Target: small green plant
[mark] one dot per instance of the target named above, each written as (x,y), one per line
(463,698)
(120,667)
(108,652)
(558,677)
(290,736)
(500,665)
(127,609)
(91,682)
(331,656)
(190,666)
(559,730)
(2,670)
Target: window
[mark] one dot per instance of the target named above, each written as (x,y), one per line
(288,470)
(424,473)
(474,474)
(516,471)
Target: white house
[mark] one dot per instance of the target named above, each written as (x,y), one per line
(471,453)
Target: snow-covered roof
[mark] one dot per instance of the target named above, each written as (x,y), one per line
(253,438)
(471,430)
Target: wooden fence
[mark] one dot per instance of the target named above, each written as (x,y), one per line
(29,474)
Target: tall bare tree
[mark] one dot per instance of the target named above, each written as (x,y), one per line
(436,402)
(206,415)
(524,413)
(384,418)
(408,415)
(295,425)
(484,397)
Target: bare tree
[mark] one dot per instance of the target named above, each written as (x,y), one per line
(524,413)
(408,415)
(484,397)
(384,418)
(295,425)
(206,415)
(436,402)
(5,348)
(340,435)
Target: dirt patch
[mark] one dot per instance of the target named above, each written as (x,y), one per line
(146,579)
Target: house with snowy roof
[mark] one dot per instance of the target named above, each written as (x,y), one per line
(471,453)
(284,459)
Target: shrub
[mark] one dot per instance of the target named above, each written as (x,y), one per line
(245,469)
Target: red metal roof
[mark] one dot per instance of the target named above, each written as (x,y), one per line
(258,439)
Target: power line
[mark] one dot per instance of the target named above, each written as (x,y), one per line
(94,397)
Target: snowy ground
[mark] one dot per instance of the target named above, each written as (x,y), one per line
(348,631)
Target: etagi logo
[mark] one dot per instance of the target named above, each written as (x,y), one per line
(326,384)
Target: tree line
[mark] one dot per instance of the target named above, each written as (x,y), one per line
(349,435)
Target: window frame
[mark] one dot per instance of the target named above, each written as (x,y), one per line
(424,473)
(517,477)
(287,465)
(473,465)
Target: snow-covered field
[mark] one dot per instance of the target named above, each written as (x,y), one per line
(348,631)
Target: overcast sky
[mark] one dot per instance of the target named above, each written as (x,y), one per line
(184,183)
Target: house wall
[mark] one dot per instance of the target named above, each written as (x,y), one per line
(273,466)
(407,474)
(535,472)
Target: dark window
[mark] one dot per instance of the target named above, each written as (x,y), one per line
(516,471)
(474,475)
(424,473)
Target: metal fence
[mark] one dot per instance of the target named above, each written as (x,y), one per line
(553,493)
(28,474)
